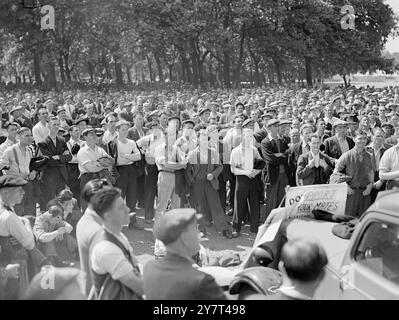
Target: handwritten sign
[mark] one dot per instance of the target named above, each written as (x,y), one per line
(326,197)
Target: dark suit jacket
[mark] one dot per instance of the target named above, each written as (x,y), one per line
(128,116)
(332,148)
(94,121)
(294,152)
(308,175)
(271,169)
(48,149)
(134,135)
(216,169)
(260,135)
(173,278)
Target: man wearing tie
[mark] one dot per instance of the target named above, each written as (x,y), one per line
(74,145)
(276,171)
(55,175)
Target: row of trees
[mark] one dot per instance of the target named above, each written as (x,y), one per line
(200,42)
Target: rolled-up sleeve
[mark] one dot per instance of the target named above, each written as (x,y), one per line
(18,231)
(108,258)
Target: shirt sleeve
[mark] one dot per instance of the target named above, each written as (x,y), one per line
(385,162)
(18,231)
(106,257)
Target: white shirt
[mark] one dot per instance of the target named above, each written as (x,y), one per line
(127,148)
(22,165)
(390,160)
(12,225)
(242,158)
(148,144)
(343,144)
(107,257)
(108,136)
(86,155)
(40,132)
(69,109)
(232,140)
(5,145)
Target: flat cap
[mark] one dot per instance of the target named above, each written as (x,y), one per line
(203,110)
(83,119)
(272,122)
(99,132)
(338,122)
(151,124)
(386,124)
(285,122)
(173,118)
(16,109)
(11,181)
(88,130)
(248,122)
(188,121)
(170,225)
(122,123)
(60,110)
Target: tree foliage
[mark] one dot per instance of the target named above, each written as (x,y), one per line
(201,42)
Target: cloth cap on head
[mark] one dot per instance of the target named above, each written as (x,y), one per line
(267,114)
(386,124)
(99,132)
(188,121)
(121,123)
(338,122)
(15,109)
(285,122)
(151,124)
(60,110)
(173,118)
(84,119)
(248,122)
(87,131)
(203,110)
(170,225)
(272,122)
(61,277)
(11,181)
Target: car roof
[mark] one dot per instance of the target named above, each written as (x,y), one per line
(387,201)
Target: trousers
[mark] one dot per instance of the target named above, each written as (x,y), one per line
(275,193)
(127,182)
(206,195)
(73,180)
(151,178)
(166,192)
(246,192)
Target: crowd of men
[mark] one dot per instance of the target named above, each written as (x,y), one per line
(84,163)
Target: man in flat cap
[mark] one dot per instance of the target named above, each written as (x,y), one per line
(91,160)
(173,277)
(19,230)
(340,142)
(276,171)
(12,131)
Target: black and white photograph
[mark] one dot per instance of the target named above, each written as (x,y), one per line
(218,151)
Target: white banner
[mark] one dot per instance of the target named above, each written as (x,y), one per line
(327,197)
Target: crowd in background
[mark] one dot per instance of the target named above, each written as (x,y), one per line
(85,163)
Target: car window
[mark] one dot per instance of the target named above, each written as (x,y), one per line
(378,250)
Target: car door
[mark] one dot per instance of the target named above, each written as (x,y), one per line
(371,267)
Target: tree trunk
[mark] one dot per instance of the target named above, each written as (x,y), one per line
(52,80)
(62,71)
(240,57)
(104,62)
(67,69)
(118,71)
(170,69)
(128,74)
(226,69)
(159,67)
(257,75)
(152,78)
(36,67)
(278,71)
(90,68)
(345,80)
(308,66)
